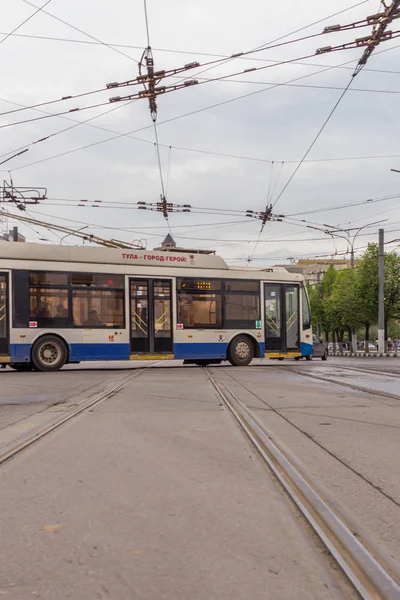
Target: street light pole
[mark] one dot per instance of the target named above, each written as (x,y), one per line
(381,305)
(351,243)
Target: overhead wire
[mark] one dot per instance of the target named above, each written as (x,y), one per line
(314,141)
(65,112)
(168,170)
(153,112)
(341,206)
(269,45)
(361,63)
(197,111)
(191,53)
(38,9)
(81,31)
(48,102)
(266,46)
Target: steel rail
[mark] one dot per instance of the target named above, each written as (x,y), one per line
(357,388)
(9,451)
(368,572)
(370,371)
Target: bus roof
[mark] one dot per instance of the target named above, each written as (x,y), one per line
(117,256)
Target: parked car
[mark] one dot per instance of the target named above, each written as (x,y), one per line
(320,348)
(371,347)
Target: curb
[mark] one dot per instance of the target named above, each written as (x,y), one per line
(365,355)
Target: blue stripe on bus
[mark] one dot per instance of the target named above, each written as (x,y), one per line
(305,348)
(205,350)
(200,350)
(20,352)
(109,351)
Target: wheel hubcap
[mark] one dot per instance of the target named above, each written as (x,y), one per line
(242,350)
(49,353)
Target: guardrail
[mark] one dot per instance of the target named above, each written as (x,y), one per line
(362,354)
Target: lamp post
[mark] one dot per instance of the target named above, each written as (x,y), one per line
(346,234)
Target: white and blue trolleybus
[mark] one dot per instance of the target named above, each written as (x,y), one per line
(67,304)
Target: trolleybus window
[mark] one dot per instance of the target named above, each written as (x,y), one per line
(229,303)
(48,298)
(199,310)
(306,309)
(98,308)
(292,317)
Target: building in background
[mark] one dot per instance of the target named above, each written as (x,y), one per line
(314,269)
(170,244)
(12,236)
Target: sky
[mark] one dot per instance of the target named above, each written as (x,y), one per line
(226,146)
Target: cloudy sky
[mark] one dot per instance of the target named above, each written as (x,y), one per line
(238,149)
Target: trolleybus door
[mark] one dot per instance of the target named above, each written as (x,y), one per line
(151,315)
(274,341)
(4,328)
(281,317)
(291,307)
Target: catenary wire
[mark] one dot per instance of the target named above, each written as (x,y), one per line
(38,9)
(220,60)
(191,113)
(81,31)
(191,53)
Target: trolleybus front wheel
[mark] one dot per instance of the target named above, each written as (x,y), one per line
(49,353)
(241,351)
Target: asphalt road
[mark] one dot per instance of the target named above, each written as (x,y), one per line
(156,494)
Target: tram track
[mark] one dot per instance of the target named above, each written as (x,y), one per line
(357,388)
(24,442)
(369,371)
(372,573)
(280,414)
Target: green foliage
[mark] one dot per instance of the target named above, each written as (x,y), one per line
(344,306)
(348,299)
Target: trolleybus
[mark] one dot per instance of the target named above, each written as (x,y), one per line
(67,304)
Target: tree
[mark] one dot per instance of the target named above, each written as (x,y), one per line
(344,306)
(368,287)
(319,296)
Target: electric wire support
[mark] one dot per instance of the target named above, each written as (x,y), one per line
(164,207)
(379,22)
(264,215)
(21,196)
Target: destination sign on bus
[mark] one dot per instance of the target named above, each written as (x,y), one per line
(194,284)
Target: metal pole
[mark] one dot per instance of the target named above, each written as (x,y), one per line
(352,266)
(381,309)
(15,234)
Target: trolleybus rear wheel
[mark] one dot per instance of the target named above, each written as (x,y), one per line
(49,353)
(241,351)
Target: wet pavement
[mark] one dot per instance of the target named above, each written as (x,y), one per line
(156,494)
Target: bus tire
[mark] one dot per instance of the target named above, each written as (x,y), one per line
(49,353)
(202,363)
(241,351)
